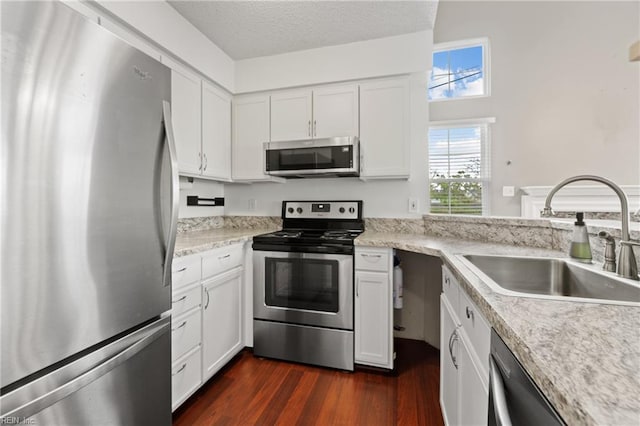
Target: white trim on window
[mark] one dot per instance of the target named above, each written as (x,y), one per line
(485,155)
(486,59)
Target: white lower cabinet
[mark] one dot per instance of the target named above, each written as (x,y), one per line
(373,327)
(186,377)
(464,358)
(221,320)
(207,317)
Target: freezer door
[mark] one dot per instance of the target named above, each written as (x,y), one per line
(85,184)
(127,382)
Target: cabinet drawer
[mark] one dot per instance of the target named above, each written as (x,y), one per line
(185,270)
(220,260)
(373,259)
(185,333)
(185,299)
(185,377)
(450,288)
(477,330)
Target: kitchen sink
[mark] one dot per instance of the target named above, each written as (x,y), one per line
(550,278)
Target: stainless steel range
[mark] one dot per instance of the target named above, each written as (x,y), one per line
(303,284)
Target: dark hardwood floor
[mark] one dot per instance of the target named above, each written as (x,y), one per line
(254,391)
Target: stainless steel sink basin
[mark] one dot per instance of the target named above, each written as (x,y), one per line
(549,278)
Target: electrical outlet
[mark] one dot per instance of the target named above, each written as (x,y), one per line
(413,205)
(508,191)
(253,203)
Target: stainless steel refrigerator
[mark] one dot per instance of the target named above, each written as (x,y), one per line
(89,204)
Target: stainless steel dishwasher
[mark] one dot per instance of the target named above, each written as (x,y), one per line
(513,396)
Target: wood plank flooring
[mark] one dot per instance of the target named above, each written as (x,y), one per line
(254,391)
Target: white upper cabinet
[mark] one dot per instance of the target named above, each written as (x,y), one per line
(385,128)
(318,113)
(291,116)
(216,133)
(186,116)
(335,111)
(250,131)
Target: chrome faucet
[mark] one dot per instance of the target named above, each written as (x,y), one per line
(627,267)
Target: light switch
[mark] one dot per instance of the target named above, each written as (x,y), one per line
(413,205)
(508,191)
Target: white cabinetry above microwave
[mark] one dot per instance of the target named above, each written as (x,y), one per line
(322,112)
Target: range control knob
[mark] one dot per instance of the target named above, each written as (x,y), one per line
(290,209)
(352,210)
(299,209)
(341,210)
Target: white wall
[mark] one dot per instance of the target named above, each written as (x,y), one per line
(161,23)
(566,97)
(202,188)
(401,54)
(381,198)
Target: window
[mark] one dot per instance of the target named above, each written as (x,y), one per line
(460,70)
(459,167)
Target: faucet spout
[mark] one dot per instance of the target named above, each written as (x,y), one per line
(627,266)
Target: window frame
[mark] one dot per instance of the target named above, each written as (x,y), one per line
(461,44)
(485,160)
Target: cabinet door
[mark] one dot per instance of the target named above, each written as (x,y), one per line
(186,111)
(385,128)
(449,364)
(291,115)
(473,391)
(335,111)
(250,131)
(373,330)
(221,320)
(216,133)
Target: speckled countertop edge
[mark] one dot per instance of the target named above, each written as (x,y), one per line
(584,356)
(198,241)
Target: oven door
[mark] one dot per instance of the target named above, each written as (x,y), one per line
(304,288)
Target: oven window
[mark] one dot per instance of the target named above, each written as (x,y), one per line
(310,284)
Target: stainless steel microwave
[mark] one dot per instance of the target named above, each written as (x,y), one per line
(330,157)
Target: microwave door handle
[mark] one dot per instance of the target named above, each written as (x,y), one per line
(496,388)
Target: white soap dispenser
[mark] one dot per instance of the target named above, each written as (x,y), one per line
(580,247)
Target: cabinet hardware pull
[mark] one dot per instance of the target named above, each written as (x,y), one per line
(180,369)
(357,287)
(179,327)
(452,339)
(180,270)
(224,257)
(469,313)
(206,161)
(447,280)
(207,304)
(200,161)
(315,128)
(377,256)
(179,300)
(309,128)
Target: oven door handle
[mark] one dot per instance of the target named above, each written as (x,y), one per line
(496,388)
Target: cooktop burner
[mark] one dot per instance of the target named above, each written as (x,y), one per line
(315,226)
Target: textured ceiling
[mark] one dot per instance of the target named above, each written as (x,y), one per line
(248,29)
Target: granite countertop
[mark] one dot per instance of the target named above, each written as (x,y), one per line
(197,241)
(585,357)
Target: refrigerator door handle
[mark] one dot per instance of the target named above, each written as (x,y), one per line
(175,191)
(37,404)
(496,387)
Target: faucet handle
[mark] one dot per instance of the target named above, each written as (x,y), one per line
(630,243)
